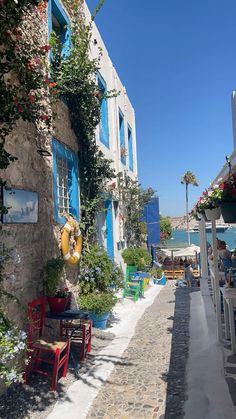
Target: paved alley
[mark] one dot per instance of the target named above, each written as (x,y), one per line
(138,385)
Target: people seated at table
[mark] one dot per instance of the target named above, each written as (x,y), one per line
(224,262)
(223,251)
(181,263)
(233,258)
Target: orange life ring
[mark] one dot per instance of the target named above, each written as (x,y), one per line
(71,226)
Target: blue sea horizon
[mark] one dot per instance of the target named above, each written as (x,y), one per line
(179,237)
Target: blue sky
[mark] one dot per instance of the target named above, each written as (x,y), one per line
(177,60)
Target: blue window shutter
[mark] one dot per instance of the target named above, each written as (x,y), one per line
(104,113)
(66,43)
(74,196)
(109,229)
(130,150)
(56,9)
(49,17)
(73,184)
(122,135)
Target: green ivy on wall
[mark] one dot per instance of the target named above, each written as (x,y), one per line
(75,78)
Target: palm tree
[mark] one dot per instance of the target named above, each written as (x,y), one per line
(188,179)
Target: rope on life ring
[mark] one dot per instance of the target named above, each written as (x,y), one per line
(71,227)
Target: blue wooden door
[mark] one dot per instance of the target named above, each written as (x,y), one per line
(109,229)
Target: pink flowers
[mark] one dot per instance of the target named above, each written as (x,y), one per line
(45,48)
(34,62)
(44,117)
(20,109)
(46,79)
(51,85)
(32,98)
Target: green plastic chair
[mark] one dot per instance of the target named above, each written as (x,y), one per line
(131,290)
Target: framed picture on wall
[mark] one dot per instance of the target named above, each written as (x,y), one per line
(22,206)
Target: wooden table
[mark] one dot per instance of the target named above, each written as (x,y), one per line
(70,315)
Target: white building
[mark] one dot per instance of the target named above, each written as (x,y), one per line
(116,136)
(233,106)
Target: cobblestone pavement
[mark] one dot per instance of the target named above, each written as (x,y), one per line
(35,401)
(149,381)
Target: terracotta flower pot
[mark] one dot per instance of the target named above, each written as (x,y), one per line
(213,214)
(57,304)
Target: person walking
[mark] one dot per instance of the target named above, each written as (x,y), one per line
(188,274)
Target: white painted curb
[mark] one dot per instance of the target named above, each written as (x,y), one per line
(80,395)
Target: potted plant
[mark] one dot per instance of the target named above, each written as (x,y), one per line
(99,280)
(99,304)
(136,259)
(158,276)
(57,297)
(211,204)
(208,205)
(228,199)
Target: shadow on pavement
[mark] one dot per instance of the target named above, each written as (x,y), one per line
(176,376)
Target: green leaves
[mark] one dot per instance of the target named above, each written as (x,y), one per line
(133,199)
(99,303)
(52,275)
(76,81)
(138,257)
(97,272)
(189,178)
(165,228)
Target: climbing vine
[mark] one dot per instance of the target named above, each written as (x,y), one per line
(24,93)
(75,79)
(133,199)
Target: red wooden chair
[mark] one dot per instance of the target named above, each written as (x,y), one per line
(44,350)
(79,331)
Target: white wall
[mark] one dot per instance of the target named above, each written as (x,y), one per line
(233,106)
(123,103)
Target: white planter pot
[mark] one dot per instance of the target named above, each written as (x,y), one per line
(213,214)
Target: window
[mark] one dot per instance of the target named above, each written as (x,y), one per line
(122,138)
(104,131)
(130,149)
(58,21)
(65,182)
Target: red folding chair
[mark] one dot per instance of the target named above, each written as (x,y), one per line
(43,350)
(80,331)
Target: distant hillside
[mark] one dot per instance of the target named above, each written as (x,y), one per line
(179,223)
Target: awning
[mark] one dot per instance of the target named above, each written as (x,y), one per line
(189,251)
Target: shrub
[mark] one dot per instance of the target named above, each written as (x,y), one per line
(99,303)
(98,272)
(138,257)
(156,272)
(12,344)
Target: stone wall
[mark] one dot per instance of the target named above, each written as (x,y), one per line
(33,244)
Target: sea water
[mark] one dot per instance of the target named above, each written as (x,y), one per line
(180,237)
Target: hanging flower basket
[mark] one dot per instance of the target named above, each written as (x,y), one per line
(213,214)
(198,216)
(228,210)
(201,215)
